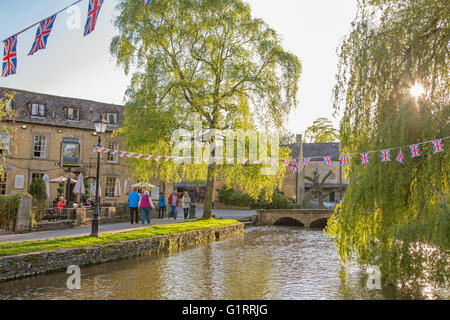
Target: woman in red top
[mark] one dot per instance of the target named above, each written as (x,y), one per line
(61,204)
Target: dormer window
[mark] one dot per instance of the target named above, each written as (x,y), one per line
(111,118)
(72,114)
(38,110)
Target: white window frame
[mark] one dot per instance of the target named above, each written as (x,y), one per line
(39,108)
(5,143)
(112,146)
(4,183)
(109,190)
(73,110)
(113,115)
(43,146)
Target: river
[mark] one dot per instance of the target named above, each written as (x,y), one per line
(268,262)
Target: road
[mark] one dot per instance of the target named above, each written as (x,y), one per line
(118,227)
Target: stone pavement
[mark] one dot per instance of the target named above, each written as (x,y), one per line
(118,227)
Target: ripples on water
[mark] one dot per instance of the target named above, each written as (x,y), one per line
(274,262)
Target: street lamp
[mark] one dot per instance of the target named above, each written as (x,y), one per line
(100,127)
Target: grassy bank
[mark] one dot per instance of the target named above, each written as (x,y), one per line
(12,248)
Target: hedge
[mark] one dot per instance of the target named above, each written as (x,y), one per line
(229,197)
(8,210)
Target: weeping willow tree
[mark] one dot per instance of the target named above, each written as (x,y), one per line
(207,60)
(396,215)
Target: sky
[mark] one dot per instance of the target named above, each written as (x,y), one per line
(82,67)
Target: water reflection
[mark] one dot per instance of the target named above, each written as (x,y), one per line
(265,263)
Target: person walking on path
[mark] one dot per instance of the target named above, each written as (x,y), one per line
(161,205)
(133,203)
(185,202)
(174,201)
(146,207)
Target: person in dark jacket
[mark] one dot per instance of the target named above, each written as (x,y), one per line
(133,203)
(161,205)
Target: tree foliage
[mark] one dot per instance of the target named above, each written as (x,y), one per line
(207,60)
(6,112)
(393,215)
(321,130)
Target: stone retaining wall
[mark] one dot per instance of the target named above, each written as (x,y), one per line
(30,264)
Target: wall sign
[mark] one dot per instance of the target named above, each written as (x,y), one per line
(70,152)
(19,181)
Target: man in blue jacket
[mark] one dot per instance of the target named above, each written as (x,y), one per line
(133,203)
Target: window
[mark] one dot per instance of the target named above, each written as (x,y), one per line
(112,157)
(110,186)
(37,110)
(72,114)
(39,147)
(332,196)
(111,118)
(36,176)
(4,143)
(3,183)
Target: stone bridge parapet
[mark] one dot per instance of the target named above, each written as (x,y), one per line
(305,217)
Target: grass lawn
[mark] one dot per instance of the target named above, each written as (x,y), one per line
(12,248)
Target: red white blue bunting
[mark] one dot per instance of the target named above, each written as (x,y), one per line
(9,62)
(294,163)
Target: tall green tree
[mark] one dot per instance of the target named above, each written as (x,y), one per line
(321,130)
(393,215)
(208,60)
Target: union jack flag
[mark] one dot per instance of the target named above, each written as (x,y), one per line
(272,162)
(286,162)
(149,157)
(42,34)
(345,159)
(245,160)
(106,150)
(100,149)
(138,156)
(9,64)
(122,154)
(258,161)
(114,152)
(400,157)
(157,158)
(129,155)
(438,146)
(147,2)
(386,155)
(364,157)
(295,166)
(93,12)
(167,158)
(327,161)
(230,159)
(415,152)
(306,162)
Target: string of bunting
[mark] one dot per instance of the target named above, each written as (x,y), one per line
(9,62)
(384,154)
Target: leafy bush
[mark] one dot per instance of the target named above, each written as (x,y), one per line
(37,189)
(39,204)
(228,196)
(8,210)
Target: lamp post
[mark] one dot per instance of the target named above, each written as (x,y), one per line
(100,127)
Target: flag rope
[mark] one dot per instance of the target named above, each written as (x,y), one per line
(134,154)
(37,23)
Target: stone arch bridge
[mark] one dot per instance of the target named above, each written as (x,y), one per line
(308,218)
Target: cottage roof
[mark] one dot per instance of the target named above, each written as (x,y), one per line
(55,109)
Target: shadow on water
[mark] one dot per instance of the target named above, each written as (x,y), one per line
(266,262)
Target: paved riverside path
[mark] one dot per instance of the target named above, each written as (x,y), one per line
(118,227)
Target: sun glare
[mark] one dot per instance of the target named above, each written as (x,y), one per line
(417,90)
